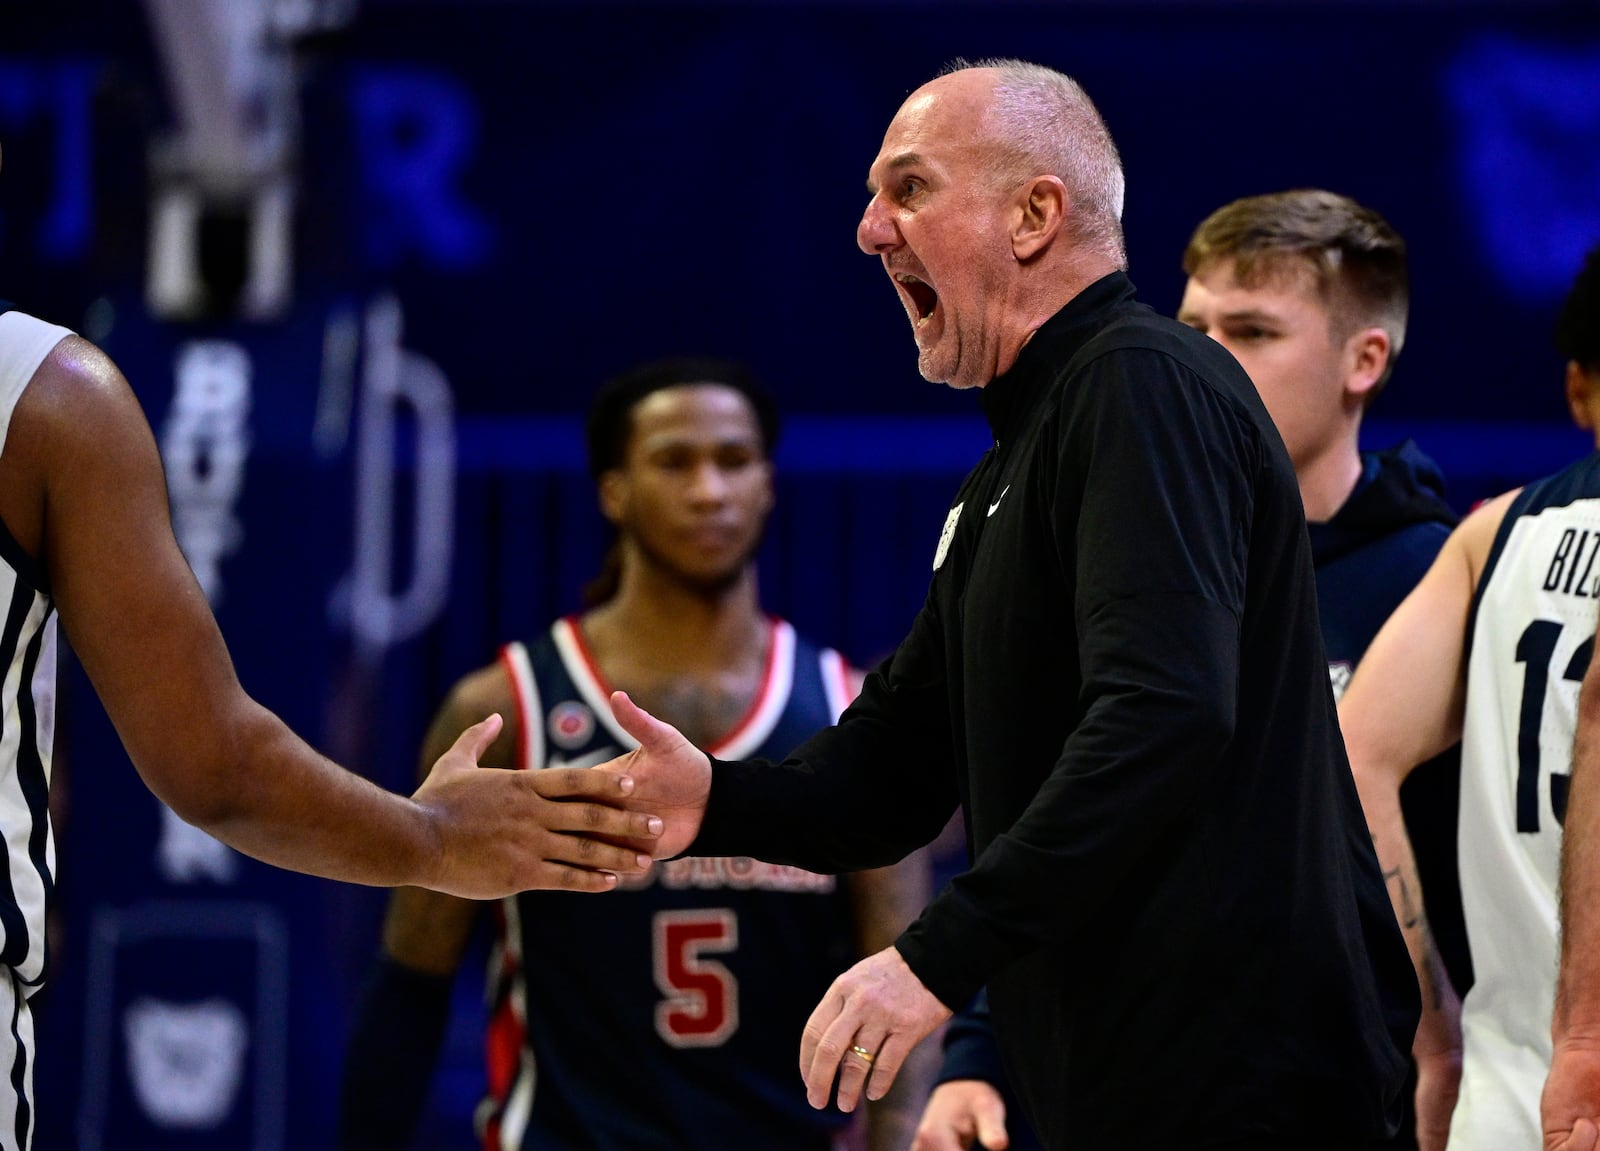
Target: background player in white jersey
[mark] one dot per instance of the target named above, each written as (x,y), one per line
(1570,1104)
(85,537)
(1491,648)
(661,1018)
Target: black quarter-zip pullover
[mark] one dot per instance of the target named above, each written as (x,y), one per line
(1118,673)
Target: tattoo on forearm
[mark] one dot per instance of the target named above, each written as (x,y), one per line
(1411,915)
(1409,906)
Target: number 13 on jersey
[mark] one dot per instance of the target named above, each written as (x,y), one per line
(1536,649)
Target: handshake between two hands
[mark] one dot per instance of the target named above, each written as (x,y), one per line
(565,828)
(581,829)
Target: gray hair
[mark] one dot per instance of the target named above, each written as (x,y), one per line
(1045,124)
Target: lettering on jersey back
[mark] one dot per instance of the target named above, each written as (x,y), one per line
(733,872)
(1572,567)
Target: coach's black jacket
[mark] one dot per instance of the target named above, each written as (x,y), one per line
(1118,672)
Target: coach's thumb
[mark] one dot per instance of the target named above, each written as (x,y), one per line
(653,735)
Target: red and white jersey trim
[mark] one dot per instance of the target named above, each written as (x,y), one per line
(530,712)
(836,682)
(776,684)
(749,733)
(502,1120)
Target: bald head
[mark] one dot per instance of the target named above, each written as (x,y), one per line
(1031,121)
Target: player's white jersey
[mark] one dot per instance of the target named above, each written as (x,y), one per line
(1531,637)
(27,693)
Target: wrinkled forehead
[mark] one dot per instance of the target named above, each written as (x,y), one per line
(941,123)
(921,112)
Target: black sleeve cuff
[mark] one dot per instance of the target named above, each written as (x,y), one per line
(720,827)
(952,949)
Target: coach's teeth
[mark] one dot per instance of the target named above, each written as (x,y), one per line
(921,293)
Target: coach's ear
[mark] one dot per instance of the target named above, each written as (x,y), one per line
(613,496)
(1039,211)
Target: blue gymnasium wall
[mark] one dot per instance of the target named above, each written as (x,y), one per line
(550,193)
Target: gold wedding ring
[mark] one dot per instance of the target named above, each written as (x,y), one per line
(857,1049)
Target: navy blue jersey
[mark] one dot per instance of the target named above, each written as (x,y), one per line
(666,1014)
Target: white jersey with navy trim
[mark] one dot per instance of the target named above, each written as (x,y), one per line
(1531,638)
(27,692)
(690,988)
(27,737)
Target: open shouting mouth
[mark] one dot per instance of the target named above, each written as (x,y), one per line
(920,297)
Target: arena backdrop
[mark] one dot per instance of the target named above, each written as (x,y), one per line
(498,204)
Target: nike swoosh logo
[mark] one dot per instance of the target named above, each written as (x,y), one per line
(593,759)
(996,504)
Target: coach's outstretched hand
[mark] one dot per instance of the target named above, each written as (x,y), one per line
(671,777)
(501,832)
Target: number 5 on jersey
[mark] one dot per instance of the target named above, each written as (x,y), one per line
(701,1008)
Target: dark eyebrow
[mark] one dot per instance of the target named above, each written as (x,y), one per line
(904,160)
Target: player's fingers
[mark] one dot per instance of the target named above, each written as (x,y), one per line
(582,783)
(989,1114)
(567,786)
(559,877)
(1579,1137)
(579,851)
(1585,1136)
(938,1136)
